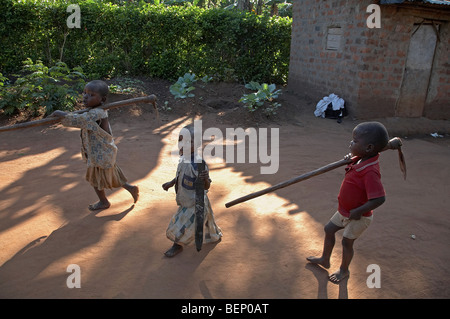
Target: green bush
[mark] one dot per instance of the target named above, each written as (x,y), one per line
(145,39)
(40,89)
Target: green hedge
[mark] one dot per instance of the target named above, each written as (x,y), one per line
(144,39)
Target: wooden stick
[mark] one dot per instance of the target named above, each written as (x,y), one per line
(291,181)
(108,106)
(394,143)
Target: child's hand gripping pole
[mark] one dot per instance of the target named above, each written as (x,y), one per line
(394,143)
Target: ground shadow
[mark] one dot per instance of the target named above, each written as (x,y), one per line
(321,276)
(25,267)
(249,263)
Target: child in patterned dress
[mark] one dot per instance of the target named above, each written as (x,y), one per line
(181,229)
(97,144)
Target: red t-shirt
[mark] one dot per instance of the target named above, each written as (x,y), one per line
(361,182)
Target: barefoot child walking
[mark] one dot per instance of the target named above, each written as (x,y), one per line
(361,192)
(181,229)
(97,144)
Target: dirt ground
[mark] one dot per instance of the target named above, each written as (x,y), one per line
(45,224)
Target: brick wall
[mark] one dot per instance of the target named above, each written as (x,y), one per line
(366,70)
(313,68)
(384,62)
(438,101)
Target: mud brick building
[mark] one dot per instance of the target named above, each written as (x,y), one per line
(400,69)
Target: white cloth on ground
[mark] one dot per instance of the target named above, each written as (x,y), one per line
(336,102)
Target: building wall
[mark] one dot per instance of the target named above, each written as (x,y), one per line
(437,105)
(367,68)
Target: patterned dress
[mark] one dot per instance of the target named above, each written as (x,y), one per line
(181,229)
(97,149)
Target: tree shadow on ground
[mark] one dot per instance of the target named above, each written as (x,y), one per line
(22,274)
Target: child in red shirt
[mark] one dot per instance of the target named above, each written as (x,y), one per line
(361,192)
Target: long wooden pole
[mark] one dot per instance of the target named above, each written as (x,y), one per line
(291,181)
(394,143)
(52,120)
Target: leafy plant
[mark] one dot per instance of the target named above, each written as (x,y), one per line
(126,86)
(184,86)
(206,79)
(40,89)
(153,39)
(271,109)
(265,95)
(3,80)
(166,107)
(252,85)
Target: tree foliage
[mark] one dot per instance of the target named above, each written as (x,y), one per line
(146,39)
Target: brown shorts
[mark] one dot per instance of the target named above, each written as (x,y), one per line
(352,228)
(101,178)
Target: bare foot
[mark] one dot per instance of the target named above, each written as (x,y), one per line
(134,190)
(174,250)
(319,261)
(99,205)
(338,276)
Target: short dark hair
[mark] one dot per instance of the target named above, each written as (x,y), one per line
(100,86)
(373,133)
(194,135)
(190,128)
